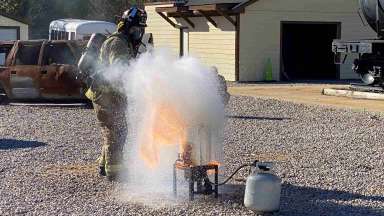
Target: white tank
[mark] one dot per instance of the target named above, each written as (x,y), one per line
(262,190)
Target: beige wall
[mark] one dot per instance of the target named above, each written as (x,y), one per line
(4,21)
(164,35)
(259,34)
(260,31)
(214,46)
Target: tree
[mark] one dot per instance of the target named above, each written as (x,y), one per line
(15,8)
(39,13)
(108,9)
(9,6)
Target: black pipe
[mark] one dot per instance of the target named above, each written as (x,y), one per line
(234,173)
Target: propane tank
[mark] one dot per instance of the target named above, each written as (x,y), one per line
(89,58)
(262,190)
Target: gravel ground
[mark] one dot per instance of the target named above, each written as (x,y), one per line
(331,161)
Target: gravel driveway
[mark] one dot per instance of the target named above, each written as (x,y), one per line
(331,161)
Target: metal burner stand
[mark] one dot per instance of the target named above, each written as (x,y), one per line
(198,175)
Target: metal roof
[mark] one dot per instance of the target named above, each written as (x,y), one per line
(9,16)
(207,2)
(74,24)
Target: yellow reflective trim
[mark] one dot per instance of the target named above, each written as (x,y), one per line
(90,95)
(112,169)
(120,25)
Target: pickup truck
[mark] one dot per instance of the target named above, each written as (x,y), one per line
(41,69)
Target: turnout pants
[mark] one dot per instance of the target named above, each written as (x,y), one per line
(110,110)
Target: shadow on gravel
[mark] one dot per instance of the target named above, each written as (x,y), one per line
(319,201)
(6,144)
(297,200)
(256,118)
(293,82)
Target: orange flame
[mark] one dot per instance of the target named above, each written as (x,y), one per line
(211,172)
(166,127)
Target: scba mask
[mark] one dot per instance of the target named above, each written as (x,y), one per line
(135,21)
(136,33)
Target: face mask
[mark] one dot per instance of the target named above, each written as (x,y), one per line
(135,34)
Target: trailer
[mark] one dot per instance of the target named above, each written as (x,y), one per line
(369,63)
(78,29)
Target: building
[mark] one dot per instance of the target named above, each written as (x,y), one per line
(245,37)
(12,28)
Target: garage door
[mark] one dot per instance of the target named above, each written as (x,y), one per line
(8,34)
(306,52)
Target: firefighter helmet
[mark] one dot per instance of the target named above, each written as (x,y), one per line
(135,17)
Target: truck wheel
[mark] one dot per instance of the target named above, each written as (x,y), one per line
(4,100)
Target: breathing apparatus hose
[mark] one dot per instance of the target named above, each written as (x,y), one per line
(234,173)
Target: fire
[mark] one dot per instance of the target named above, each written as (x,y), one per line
(211,172)
(214,163)
(166,127)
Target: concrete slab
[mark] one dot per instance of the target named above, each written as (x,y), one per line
(353,94)
(306,94)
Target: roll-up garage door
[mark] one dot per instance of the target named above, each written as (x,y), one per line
(8,34)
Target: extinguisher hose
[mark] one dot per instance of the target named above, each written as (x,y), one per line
(234,173)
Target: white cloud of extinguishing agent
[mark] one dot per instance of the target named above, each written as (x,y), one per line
(172,102)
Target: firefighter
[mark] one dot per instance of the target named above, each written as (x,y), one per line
(110,104)
(222,88)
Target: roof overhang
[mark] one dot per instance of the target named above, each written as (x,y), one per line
(205,10)
(20,20)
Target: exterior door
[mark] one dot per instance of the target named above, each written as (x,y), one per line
(58,80)
(24,71)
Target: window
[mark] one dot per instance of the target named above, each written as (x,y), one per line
(87,37)
(4,51)
(66,36)
(28,54)
(58,35)
(72,36)
(3,54)
(58,53)
(52,35)
(2,58)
